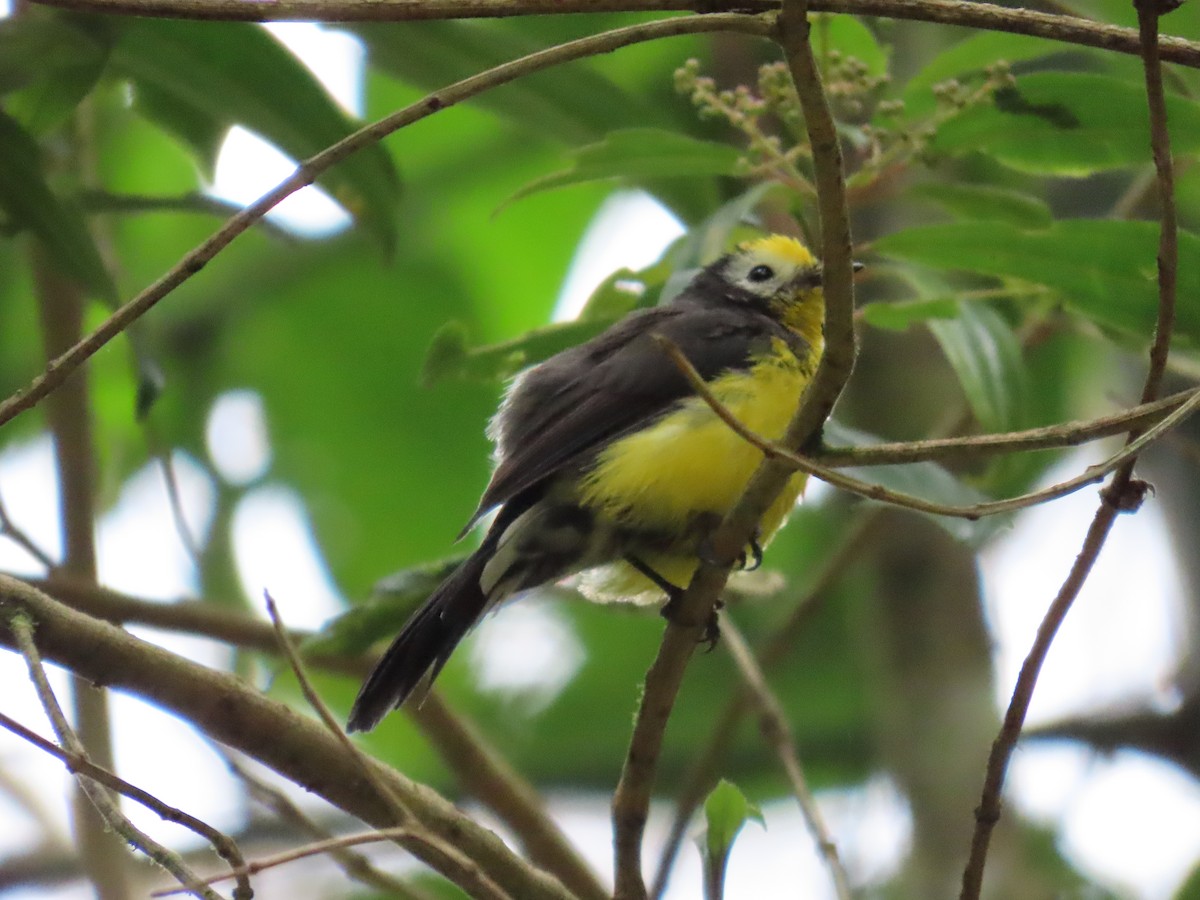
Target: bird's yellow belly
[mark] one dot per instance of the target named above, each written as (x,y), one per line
(690,463)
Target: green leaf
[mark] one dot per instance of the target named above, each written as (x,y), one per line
(49,66)
(986,356)
(726,811)
(237,73)
(900,315)
(28,202)
(200,130)
(1102,269)
(987,202)
(451,357)
(852,39)
(393,600)
(573,102)
(1068,124)
(971,58)
(926,480)
(636,155)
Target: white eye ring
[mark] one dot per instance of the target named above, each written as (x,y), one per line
(761,273)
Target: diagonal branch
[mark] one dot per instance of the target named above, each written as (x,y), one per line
(79,764)
(1124,494)
(631,800)
(20,629)
(229,711)
(307,172)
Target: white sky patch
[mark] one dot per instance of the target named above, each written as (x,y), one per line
(337,58)
(139,547)
(1147,814)
(527,650)
(248,166)
(630,230)
(236,437)
(275,550)
(29,490)
(1122,640)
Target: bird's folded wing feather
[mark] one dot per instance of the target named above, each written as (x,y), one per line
(582,399)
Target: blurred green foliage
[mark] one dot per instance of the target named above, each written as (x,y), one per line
(982,192)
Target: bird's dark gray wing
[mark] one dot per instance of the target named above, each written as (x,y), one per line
(564,410)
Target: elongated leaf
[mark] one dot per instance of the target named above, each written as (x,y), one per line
(926,480)
(637,155)
(986,356)
(1102,269)
(1067,123)
(29,203)
(901,315)
(450,355)
(988,202)
(49,66)
(233,72)
(574,103)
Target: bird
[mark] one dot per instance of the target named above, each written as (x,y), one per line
(611,468)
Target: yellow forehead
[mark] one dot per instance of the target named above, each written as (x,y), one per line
(780,248)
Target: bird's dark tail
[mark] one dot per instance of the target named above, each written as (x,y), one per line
(424,644)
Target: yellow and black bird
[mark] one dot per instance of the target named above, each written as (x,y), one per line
(607,461)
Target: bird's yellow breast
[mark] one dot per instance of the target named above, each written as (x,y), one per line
(690,463)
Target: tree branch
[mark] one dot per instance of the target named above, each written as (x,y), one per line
(1122,495)
(79,764)
(21,633)
(987,16)
(229,711)
(631,800)
(479,769)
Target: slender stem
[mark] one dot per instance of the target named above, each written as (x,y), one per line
(778,734)
(231,712)
(631,800)
(69,416)
(105,806)
(1068,29)
(1124,494)
(79,764)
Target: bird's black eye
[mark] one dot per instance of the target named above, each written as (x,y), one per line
(761,273)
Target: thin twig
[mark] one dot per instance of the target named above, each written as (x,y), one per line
(778,735)
(959,449)
(10,530)
(1122,495)
(702,771)
(1068,29)
(79,764)
(98,201)
(877,492)
(355,865)
(22,632)
(631,799)
(231,712)
(309,170)
(457,866)
(317,848)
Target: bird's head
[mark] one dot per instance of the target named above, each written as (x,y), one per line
(779,275)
